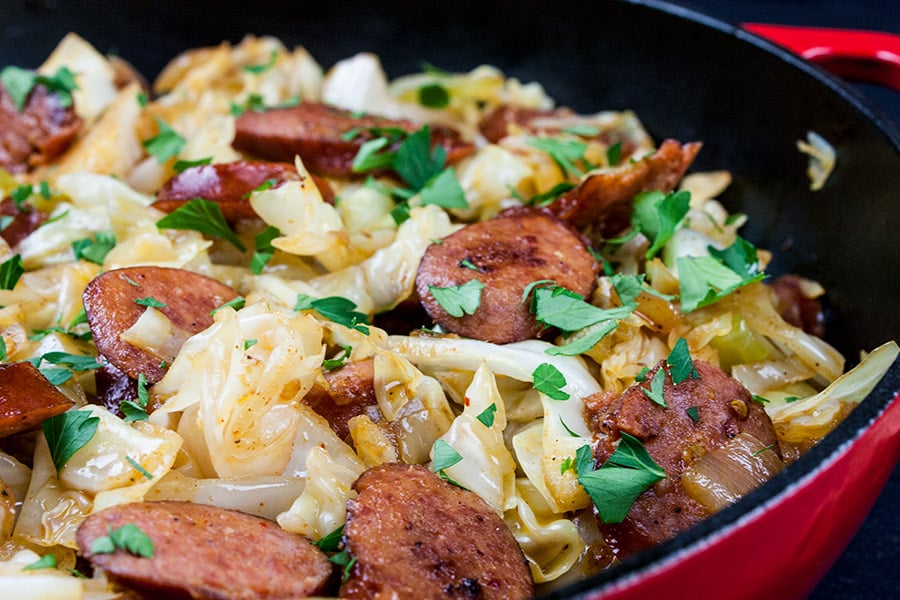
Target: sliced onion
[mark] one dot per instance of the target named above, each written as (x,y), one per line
(728,473)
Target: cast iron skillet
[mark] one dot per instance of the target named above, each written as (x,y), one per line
(686,76)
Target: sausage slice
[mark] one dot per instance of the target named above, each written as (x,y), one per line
(350,392)
(414,535)
(111,305)
(203,551)
(37,135)
(230,185)
(671,436)
(600,207)
(319,134)
(25,219)
(27,398)
(506,254)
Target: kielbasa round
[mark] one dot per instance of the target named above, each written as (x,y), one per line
(115,300)
(414,535)
(230,185)
(206,552)
(673,439)
(42,131)
(318,133)
(505,254)
(27,398)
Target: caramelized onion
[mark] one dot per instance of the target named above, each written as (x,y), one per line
(730,472)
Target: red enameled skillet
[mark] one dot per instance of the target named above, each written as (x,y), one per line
(687,77)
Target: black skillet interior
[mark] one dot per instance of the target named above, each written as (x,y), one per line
(685,76)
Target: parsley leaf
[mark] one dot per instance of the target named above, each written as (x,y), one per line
(262,68)
(704,280)
(444,456)
(550,196)
(657,215)
(96,249)
(694,413)
(565,153)
(264,248)
(680,364)
(370,156)
(740,257)
(657,386)
(434,95)
(415,162)
(339,360)
(548,380)
(583,130)
(331,542)
(444,190)
(137,467)
(335,308)
(132,411)
(459,299)
(19,83)
(487,415)
(10,272)
(128,537)
(614,153)
(236,303)
(615,486)
(76,362)
(47,561)
(204,216)
(165,144)
(343,559)
(150,301)
(182,165)
(67,433)
(558,307)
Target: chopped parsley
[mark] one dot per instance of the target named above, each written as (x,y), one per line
(183,165)
(567,154)
(94,249)
(335,308)
(263,67)
(583,130)
(339,360)
(459,299)
(128,537)
(486,417)
(548,380)
(236,303)
(445,456)
(614,153)
(67,433)
(10,272)
(657,387)
(694,413)
(165,144)
(264,248)
(658,215)
(137,410)
(19,83)
(704,280)
(137,467)
(343,559)
(615,486)
(331,542)
(680,364)
(434,95)
(150,301)
(204,216)
(47,561)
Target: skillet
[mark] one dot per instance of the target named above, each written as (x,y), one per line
(687,77)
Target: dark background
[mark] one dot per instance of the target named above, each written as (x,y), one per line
(870,566)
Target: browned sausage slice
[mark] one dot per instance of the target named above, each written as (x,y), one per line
(601,206)
(27,398)
(672,437)
(111,304)
(229,184)
(203,551)
(317,131)
(506,254)
(350,392)
(38,134)
(25,220)
(414,535)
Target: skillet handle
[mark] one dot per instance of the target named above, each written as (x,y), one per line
(867,56)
